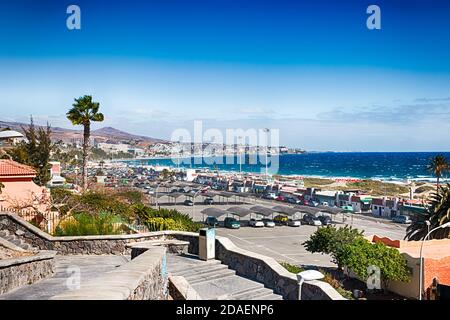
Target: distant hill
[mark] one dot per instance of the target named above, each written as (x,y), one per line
(104,134)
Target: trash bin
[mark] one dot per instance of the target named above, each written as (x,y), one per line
(207,244)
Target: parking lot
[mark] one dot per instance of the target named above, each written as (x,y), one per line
(283,243)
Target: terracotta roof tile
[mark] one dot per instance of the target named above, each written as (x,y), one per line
(12,168)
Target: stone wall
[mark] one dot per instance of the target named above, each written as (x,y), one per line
(262,269)
(180,289)
(25,270)
(109,244)
(143,278)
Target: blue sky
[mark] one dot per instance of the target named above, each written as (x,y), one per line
(310,68)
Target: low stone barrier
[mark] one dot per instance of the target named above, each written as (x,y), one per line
(248,264)
(180,289)
(173,246)
(109,244)
(26,270)
(143,278)
(263,269)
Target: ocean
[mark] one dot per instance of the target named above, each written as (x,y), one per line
(391,166)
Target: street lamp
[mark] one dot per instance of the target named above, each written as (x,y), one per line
(240,155)
(156,195)
(267,130)
(442,226)
(307,275)
(193,203)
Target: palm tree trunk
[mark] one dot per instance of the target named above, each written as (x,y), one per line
(437,183)
(86,147)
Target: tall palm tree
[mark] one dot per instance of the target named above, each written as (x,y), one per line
(437,213)
(83,111)
(438,166)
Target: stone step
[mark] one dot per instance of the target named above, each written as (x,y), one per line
(199,271)
(254,287)
(272,296)
(181,267)
(211,276)
(252,294)
(204,273)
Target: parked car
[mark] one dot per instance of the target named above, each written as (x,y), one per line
(280,219)
(402,219)
(208,201)
(293,200)
(256,223)
(311,220)
(293,223)
(269,195)
(188,203)
(280,198)
(211,222)
(181,190)
(325,220)
(150,191)
(313,203)
(231,223)
(268,222)
(325,204)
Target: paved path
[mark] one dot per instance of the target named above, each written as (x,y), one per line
(88,267)
(213,280)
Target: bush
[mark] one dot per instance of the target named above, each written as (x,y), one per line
(360,254)
(165,219)
(292,267)
(85,224)
(331,240)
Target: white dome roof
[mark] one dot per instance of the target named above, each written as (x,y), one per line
(10,134)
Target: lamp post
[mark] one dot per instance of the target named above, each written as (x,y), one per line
(240,154)
(156,195)
(307,275)
(442,226)
(267,130)
(193,203)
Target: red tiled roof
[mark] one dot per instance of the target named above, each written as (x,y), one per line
(11,168)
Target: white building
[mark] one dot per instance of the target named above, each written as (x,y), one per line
(10,137)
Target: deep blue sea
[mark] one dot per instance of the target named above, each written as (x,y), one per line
(374,165)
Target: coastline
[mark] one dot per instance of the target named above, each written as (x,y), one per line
(409,172)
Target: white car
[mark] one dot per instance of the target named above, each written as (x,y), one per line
(268,223)
(293,223)
(255,223)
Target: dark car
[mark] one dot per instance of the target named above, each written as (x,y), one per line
(326,220)
(208,201)
(293,200)
(231,223)
(211,222)
(188,203)
(311,220)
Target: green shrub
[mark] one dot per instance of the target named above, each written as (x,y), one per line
(175,219)
(292,267)
(85,224)
(360,254)
(331,240)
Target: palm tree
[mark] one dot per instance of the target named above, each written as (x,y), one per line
(438,213)
(83,111)
(438,166)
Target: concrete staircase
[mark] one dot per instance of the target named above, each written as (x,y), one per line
(16,240)
(213,280)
